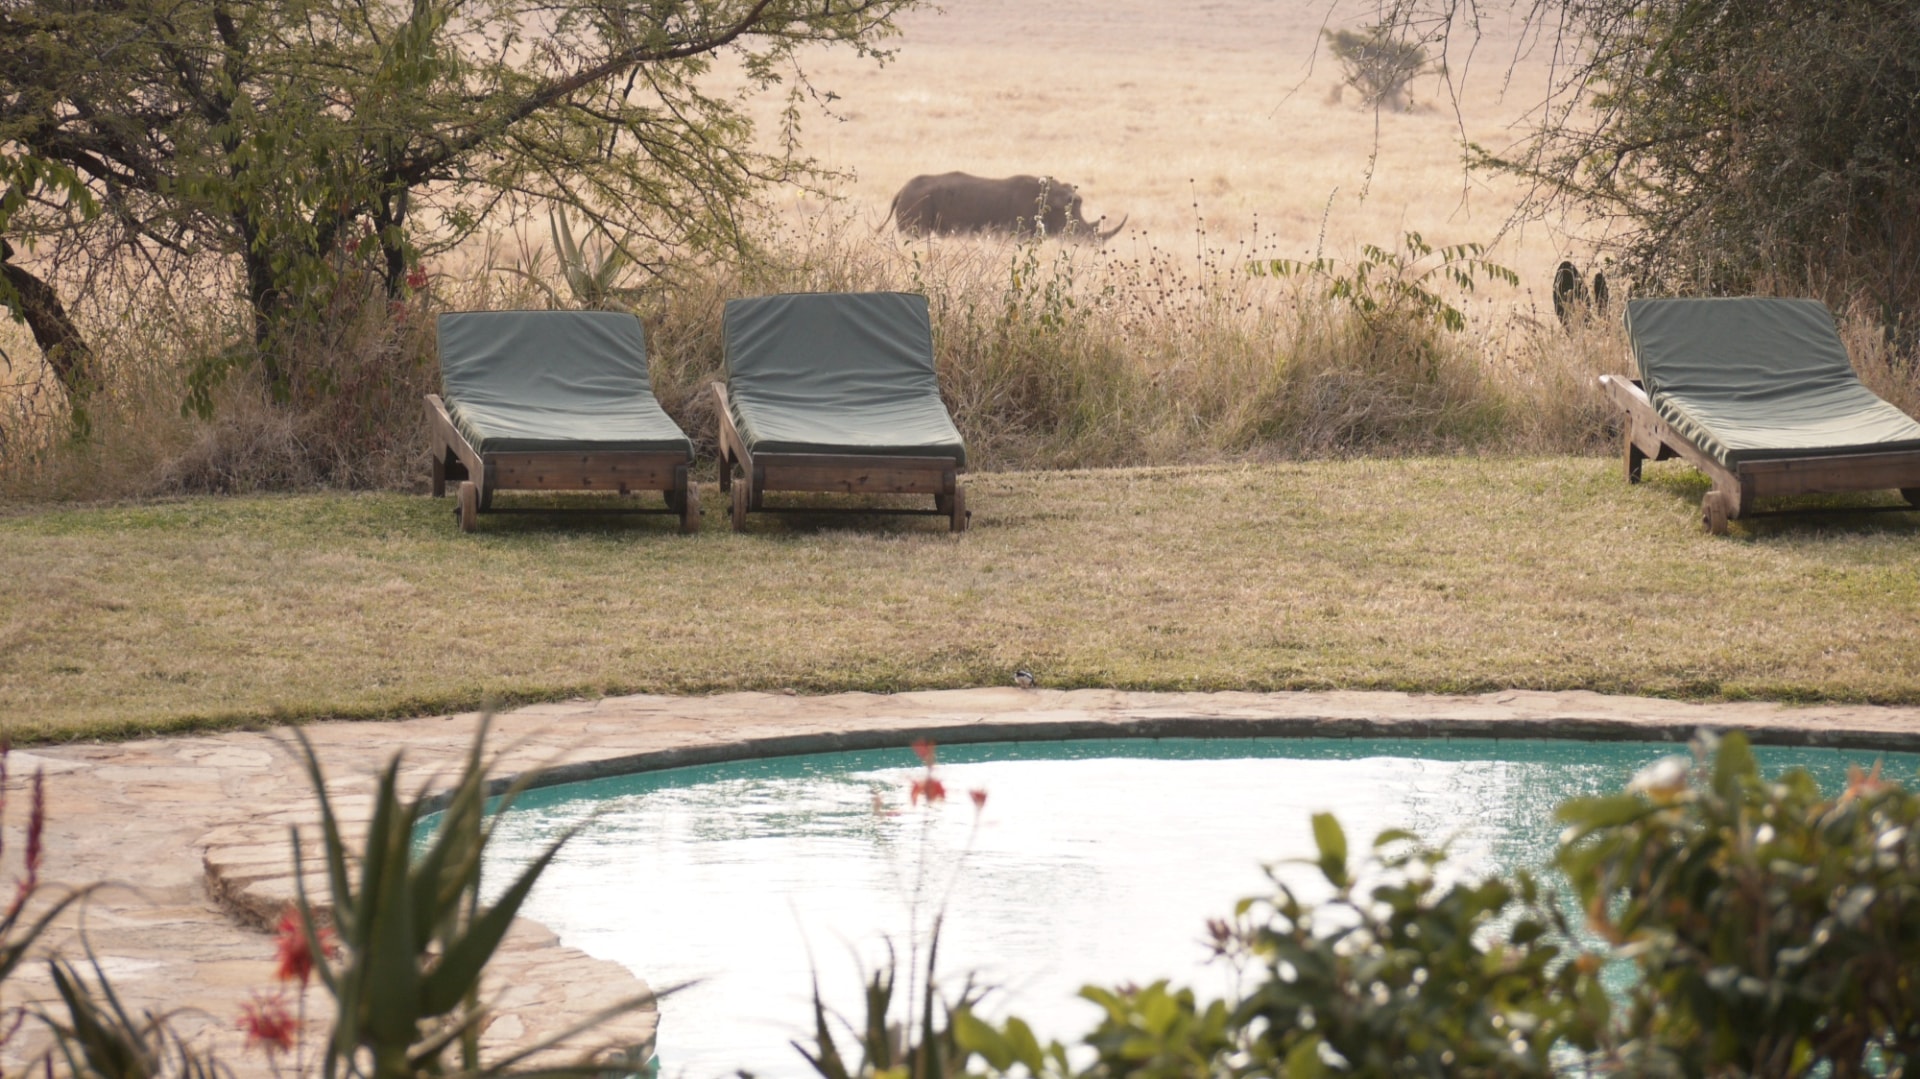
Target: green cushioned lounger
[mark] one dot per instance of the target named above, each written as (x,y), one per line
(553,400)
(836,392)
(1758,393)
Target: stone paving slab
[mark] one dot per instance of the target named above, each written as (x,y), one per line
(193,831)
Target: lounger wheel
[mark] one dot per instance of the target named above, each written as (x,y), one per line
(690,510)
(1713,513)
(957,510)
(742,500)
(469,509)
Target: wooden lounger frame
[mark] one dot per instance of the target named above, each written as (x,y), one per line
(616,471)
(841,473)
(1735,490)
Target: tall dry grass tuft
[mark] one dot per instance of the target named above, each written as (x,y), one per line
(1050,356)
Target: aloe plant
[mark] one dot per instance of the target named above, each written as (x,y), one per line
(415,938)
(95,1036)
(592,273)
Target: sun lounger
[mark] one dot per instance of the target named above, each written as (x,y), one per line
(553,401)
(836,392)
(1759,394)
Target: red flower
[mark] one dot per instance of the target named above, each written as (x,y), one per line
(36,838)
(267,1023)
(929,788)
(290,942)
(979,796)
(417,277)
(924,750)
(1859,783)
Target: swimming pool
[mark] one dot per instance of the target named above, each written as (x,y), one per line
(1091,861)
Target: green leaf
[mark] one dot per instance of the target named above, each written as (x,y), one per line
(1607,811)
(1732,764)
(1332,841)
(459,969)
(974,1036)
(1303,1060)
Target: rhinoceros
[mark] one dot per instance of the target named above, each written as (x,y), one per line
(955,202)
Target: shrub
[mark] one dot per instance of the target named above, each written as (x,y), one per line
(1772,931)
(1729,145)
(1378,62)
(1049,356)
(1775,931)
(415,938)
(404,967)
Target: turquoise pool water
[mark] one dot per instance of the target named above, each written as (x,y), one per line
(1091,862)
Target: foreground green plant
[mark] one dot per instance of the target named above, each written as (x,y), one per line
(1400,971)
(1384,285)
(1772,931)
(922,1039)
(1775,931)
(92,1033)
(415,938)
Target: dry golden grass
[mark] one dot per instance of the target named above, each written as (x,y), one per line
(1218,116)
(1438,575)
(1050,356)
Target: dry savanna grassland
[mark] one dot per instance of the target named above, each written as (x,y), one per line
(1226,118)
(1188,475)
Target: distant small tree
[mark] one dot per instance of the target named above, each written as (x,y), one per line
(1378,61)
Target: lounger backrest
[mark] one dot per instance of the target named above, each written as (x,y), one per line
(546,359)
(1740,347)
(825,349)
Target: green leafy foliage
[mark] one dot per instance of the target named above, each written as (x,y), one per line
(592,271)
(24,178)
(930,1044)
(1772,931)
(1410,974)
(1741,145)
(1402,284)
(309,153)
(97,1037)
(1775,931)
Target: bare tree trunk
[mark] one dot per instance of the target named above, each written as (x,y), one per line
(59,339)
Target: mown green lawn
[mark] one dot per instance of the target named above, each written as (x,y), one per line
(1442,575)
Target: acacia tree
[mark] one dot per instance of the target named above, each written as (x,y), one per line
(1729,145)
(304,146)
(1741,140)
(1377,62)
(1721,145)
